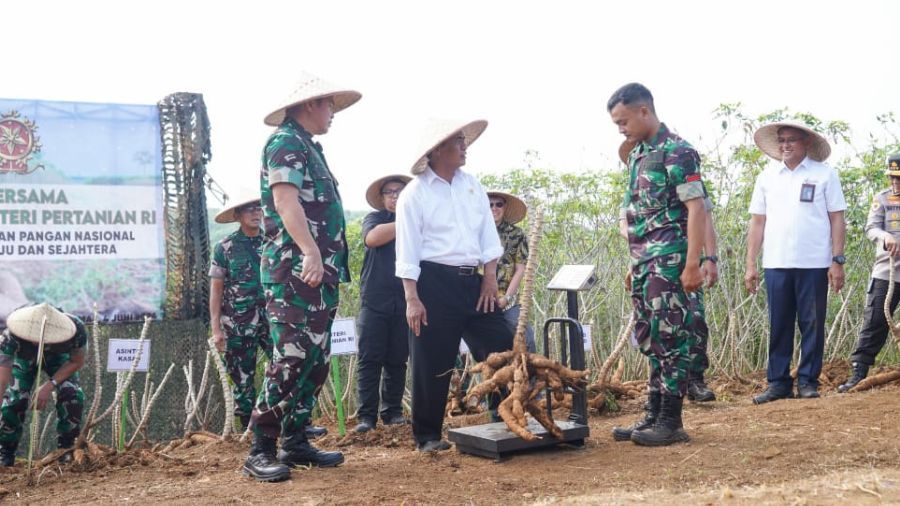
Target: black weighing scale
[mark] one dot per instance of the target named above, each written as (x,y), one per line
(495,440)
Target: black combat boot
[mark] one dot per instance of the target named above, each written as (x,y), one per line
(668,428)
(296,451)
(65,441)
(698,391)
(860,371)
(8,454)
(314,431)
(261,463)
(652,411)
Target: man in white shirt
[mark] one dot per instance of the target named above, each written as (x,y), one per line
(445,231)
(803,251)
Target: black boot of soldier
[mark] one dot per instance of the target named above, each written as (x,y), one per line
(261,463)
(652,411)
(8,454)
(296,451)
(65,441)
(698,391)
(668,428)
(860,371)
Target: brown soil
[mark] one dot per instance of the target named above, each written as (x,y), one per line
(841,448)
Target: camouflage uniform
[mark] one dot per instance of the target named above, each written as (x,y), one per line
(663,174)
(699,360)
(300,317)
(21,356)
(236,262)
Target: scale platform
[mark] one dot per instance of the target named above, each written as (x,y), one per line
(494,440)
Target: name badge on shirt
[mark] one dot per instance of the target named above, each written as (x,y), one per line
(807,192)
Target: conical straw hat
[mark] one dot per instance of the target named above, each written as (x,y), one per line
(227,215)
(373,194)
(437,131)
(311,87)
(515,209)
(767,140)
(25,323)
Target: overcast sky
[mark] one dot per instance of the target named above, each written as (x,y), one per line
(540,72)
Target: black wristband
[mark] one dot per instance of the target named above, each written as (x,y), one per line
(712,258)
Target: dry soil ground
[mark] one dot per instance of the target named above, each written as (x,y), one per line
(841,448)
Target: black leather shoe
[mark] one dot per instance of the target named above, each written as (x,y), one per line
(860,371)
(438,445)
(261,463)
(668,428)
(314,431)
(807,392)
(395,420)
(698,391)
(8,454)
(771,395)
(364,425)
(652,411)
(296,451)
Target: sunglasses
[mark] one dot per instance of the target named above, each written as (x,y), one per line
(391,193)
(498,205)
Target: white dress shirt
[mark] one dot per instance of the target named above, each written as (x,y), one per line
(797,234)
(445,223)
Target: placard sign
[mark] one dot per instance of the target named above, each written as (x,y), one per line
(121,354)
(343,336)
(586,334)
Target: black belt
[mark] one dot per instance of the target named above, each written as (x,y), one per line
(463,270)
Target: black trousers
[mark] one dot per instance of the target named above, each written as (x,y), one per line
(875,328)
(449,300)
(383,346)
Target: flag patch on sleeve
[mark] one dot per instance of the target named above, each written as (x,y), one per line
(693,177)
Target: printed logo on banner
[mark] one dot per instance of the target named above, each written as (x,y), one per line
(18,143)
(90,220)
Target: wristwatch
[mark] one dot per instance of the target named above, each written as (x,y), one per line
(839,259)
(55,384)
(712,258)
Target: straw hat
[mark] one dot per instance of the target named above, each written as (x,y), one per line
(373,194)
(25,323)
(437,131)
(227,215)
(309,88)
(767,140)
(515,210)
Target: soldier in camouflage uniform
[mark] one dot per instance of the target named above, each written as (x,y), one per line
(882,228)
(304,257)
(65,342)
(697,349)
(666,222)
(236,302)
